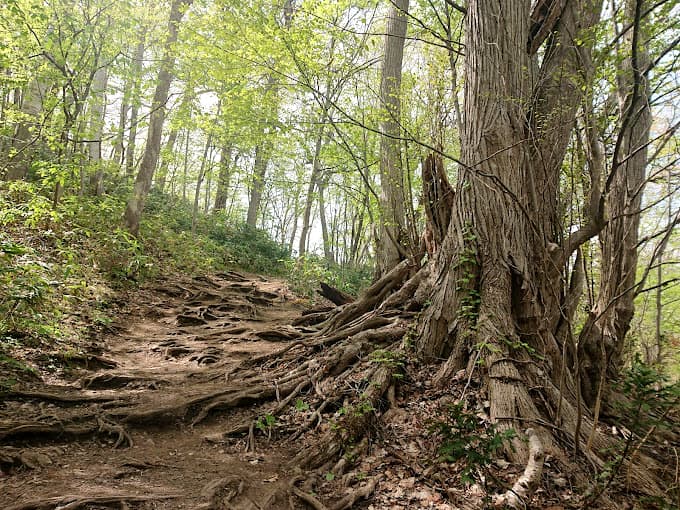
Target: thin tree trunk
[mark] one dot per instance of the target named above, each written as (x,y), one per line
(223,178)
(313,184)
(135,100)
(118,155)
(167,154)
(327,243)
(259,172)
(199,182)
(144,178)
(97,116)
(262,149)
(31,106)
(185,166)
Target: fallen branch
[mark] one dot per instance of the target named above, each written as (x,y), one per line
(334,295)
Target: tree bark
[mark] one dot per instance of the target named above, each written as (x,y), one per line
(601,342)
(262,149)
(393,238)
(134,109)
(199,182)
(327,243)
(118,155)
(257,185)
(144,178)
(223,178)
(495,285)
(167,156)
(98,112)
(31,105)
(313,184)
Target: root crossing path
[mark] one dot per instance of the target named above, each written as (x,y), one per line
(133,429)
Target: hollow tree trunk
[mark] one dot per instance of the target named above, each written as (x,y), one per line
(135,204)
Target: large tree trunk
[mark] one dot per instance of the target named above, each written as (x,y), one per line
(144,178)
(601,342)
(393,233)
(496,280)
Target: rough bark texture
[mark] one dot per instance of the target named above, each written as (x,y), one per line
(144,178)
(392,236)
(602,339)
(497,287)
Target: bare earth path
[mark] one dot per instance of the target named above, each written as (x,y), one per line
(131,431)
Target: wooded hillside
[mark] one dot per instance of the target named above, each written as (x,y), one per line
(487,192)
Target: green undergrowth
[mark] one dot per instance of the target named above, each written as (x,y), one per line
(62,270)
(306,273)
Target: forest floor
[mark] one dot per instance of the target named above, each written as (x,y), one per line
(155,416)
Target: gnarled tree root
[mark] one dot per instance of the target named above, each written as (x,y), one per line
(522,490)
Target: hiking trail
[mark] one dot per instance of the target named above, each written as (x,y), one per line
(130,430)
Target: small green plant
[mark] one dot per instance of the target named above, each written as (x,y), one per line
(463,439)
(391,359)
(265,424)
(649,404)
(301,405)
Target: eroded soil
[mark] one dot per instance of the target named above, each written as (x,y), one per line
(131,433)
(219,393)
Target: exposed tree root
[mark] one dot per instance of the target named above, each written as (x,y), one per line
(219,493)
(343,369)
(75,502)
(526,484)
(57,397)
(11,458)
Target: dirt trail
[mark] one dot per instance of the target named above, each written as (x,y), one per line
(131,431)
